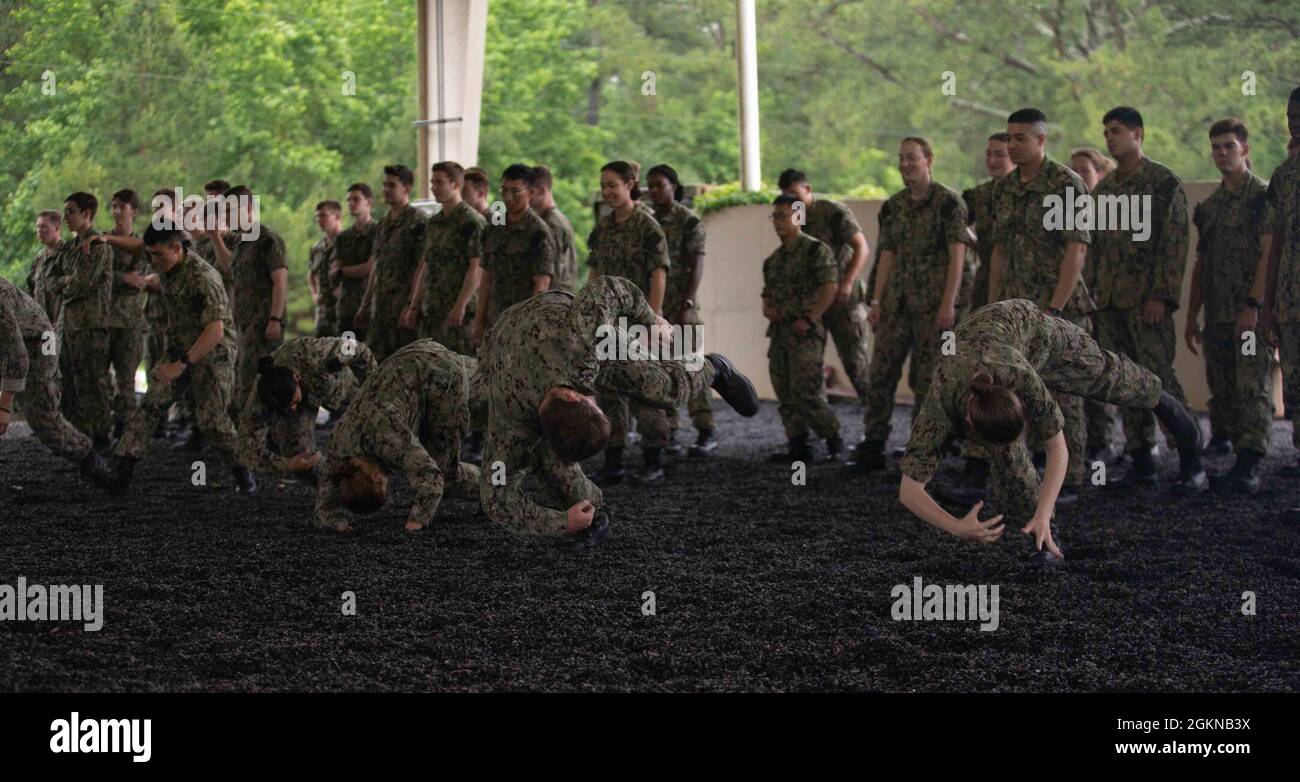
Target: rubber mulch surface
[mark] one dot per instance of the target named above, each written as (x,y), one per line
(758,584)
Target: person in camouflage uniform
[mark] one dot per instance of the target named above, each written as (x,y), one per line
(43,265)
(923,287)
(684,231)
(979,207)
(627,242)
(1280,283)
(29,375)
(293,383)
(1233,229)
(540,369)
(409,416)
(519,256)
(832,223)
(543,203)
(261,286)
(328,218)
(799,283)
(399,242)
(1099,419)
(1041,264)
(203,351)
(1010,360)
(352,262)
(85,285)
(1139,281)
(444,294)
(127,320)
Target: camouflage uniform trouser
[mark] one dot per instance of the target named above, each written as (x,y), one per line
(208,384)
(1241,388)
(40,403)
(1123,332)
(1099,419)
(86,380)
(901,331)
(701,405)
(1289,348)
(384,338)
(1081,369)
(252,346)
(847,327)
(156,342)
(795,364)
(126,347)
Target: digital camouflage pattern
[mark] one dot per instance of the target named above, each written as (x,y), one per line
(1129,273)
(632,249)
(453,238)
(86,287)
(1230,227)
(351,248)
(792,279)
(330,370)
(552,340)
(979,214)
(251,266)
(684,231)
(1034,355)
(193,296)
(919,233)
(833,223)
(44,270)
(409,416)
(566,261)
(318,266)
(1284,201)
(399,243)
(202,247)
(127,326)
(33,376)
(514,253)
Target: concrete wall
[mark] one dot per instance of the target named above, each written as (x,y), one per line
(741,237)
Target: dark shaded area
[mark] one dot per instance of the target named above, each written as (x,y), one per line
(759,585)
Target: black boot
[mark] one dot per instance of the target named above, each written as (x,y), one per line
(973,486)
(195,442)
(796,451)
(705,445)
(599,531)
(1181,423)
(1142,473)
(118,428)
(834,447)
(102,443)
(1244,475)
(611,472)
(734,388)
(245,483)
(96,471)
(1107,454)
(124,473)
(1191,473)
(868,456)
(652,466)
(471,451)
(1044,556)
(1219,446)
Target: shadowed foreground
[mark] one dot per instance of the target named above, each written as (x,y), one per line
(758,584)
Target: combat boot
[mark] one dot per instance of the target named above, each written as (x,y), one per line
(973,485)
(734,388)
(123,474)
(652,466)
(1181,423)
(96,471)
(834,447)
(611,472)
(1042,556)
(102,443)
(1244,475)
(1142,473)
(1191,473)
(245,483)
(796,451)
(1107,455)
(868,456)
(471,451)
(1219,446)
(673,450)
(705,445)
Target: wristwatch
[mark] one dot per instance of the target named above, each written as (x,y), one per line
(689,304)
(1252,302)
(277,319)
(185,359)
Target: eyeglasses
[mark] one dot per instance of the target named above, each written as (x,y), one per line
(512,191)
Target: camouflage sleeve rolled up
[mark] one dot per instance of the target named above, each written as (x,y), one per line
(930,431)
(887,242)
(13,353)
(1170,233)
(844,226)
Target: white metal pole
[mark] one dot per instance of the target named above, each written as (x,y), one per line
(747,63)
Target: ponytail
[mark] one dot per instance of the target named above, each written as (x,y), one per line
(276,385)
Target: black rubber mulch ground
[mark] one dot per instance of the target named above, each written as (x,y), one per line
(759,585)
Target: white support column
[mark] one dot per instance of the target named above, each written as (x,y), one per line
(452,35)
(747,65)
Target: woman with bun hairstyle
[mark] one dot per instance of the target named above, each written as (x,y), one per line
(996,387)
(277,423)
